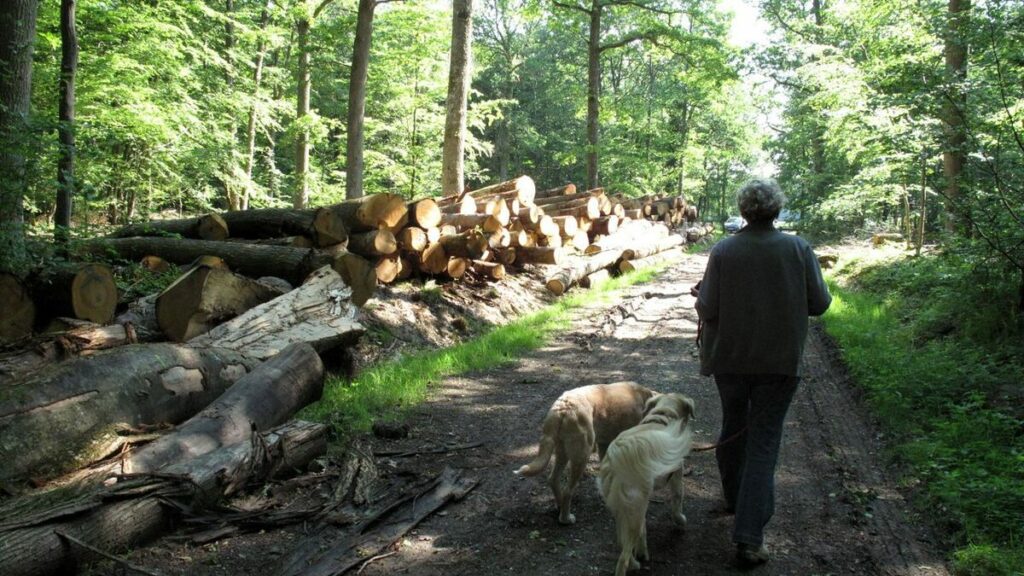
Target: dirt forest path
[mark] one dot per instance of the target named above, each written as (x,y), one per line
(838,511)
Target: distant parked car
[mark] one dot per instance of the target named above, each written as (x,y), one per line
(734,223)
(787,220)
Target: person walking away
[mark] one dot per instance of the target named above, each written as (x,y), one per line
(758,290)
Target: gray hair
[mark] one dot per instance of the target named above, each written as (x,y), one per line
(760,200)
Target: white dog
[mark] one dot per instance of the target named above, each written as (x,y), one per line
(653,450)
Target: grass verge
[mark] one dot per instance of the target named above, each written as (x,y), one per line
(388,389)
(947,396)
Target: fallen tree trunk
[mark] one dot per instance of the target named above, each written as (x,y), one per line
(210,226)
(319,313)
(373,212)
(292,264)
(540,255)
(650,261)
(83,291)
(67,414)
(521,188)
(433,260)
(77,341)
(651,247)
(265,397)
(628,233)
(204,297)
(487,222)
(469,244)
(596,278)
(322,225)
(373,244)
(133,512)
(17,311)
(412,238)
(424,213)
(559,191)
(579,267)
(492,270)
(454,205)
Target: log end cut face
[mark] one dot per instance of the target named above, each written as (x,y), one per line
(94,294)
(212,227)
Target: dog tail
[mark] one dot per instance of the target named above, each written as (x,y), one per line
(552,424)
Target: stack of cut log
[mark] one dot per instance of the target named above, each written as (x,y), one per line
(673,211)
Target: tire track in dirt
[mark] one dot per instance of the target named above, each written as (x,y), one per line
(837,510)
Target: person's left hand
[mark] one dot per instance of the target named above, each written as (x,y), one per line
(695,290)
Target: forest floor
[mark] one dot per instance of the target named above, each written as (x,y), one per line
(839,507)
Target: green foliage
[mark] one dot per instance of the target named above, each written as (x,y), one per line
(135,281)
(924,339)
(389,389)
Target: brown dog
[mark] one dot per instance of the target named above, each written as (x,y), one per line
(580,420)
(651,451)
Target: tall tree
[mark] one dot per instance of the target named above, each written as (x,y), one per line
(459,77)
(303,22)
(357,99)
(953,108)
(66,119)
(250,132)
(17,38)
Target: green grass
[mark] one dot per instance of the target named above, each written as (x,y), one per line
(387,390)
(940,368)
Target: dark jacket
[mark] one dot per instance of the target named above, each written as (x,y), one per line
(758,290)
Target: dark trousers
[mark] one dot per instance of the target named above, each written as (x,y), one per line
(757,402)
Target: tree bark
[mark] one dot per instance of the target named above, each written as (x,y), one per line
(373,244)
(130,513)
(66,120)
(300,195)
(250,131)
(210,226)
(17,39)
(459,77)
(372,212)
(79,340)
(324,226)
(265,397)
(579,267)
(540,255)
(593,92)
(83,291)
(954,107)
(67,415)
(17,310)
(292,264)
(357,99)
(321,313)
(651,247)
(204,297)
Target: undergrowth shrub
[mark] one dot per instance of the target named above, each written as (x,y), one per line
(935,343)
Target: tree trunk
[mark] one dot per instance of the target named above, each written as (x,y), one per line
(265,397)
(250,131)
(470,244)
(17,39)
(17,311)
(459,77)
(66,120)
(373,244)
(492,270)
(83,291)
(651,247)
(321,313)
(412,239)
(357,99)
(292,264)
(651,261)
(487,222)
(954,109)
(67,415)
(323,225)
(540,255)
(522,188)
(79,340)
(593,92)
(595,279)
(300,195)
(138,509)
(579,267)
(424,213)
(357,273)
(372,212)
(204,297)
(210,226)
(628,233)
(433,260)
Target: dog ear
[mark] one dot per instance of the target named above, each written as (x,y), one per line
(650,404)
(691,409)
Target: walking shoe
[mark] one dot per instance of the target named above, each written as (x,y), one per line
(750,556)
